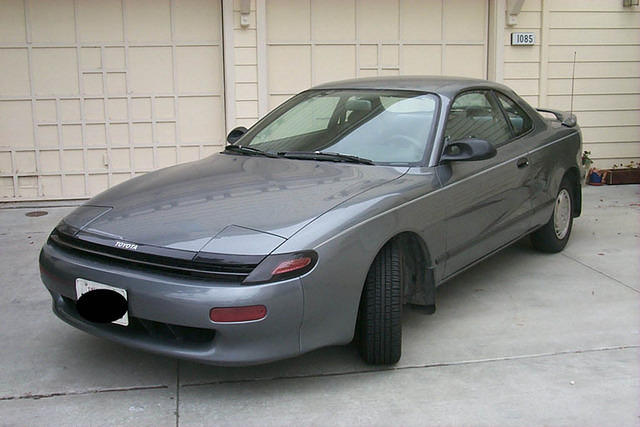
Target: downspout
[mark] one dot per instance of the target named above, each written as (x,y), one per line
(543,74)
(495,60)
(228,62)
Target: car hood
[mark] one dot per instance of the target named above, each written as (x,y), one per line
(225,203)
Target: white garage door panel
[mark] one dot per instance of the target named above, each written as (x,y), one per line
(313,41)
(95,92)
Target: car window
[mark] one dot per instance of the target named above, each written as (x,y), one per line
(396,132)
(382,125)
(473,115)
(311,115)
(520,121)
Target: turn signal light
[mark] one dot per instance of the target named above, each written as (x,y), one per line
(282,267)
(238,314)
(291,265)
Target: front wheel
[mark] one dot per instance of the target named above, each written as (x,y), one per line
(554,235)
(379,329)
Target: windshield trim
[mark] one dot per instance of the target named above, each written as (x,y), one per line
(276,112)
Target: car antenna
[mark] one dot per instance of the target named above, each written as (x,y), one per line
(573,77)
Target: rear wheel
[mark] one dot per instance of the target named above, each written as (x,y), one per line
(554,235)
(379,329)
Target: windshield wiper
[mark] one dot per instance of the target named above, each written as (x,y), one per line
(324,155)
(250,151)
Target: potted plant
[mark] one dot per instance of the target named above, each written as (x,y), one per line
(623,174)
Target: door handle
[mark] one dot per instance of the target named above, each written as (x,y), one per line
(523,162)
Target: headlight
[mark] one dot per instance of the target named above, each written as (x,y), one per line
(281,267)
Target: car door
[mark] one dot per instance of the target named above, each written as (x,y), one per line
(487,201)
(523,126)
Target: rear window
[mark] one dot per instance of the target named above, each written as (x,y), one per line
(520,121)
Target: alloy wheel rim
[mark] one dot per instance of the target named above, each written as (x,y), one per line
(562,214)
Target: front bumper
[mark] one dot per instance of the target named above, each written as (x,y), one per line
(170,314)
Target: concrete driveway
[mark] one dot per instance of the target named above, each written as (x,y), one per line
(521,339)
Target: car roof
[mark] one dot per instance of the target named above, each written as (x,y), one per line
(445,85)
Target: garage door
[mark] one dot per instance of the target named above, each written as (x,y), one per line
(95,92)
(314,41)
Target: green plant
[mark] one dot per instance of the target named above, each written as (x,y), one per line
(586,158)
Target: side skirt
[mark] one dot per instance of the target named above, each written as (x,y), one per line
(490,254)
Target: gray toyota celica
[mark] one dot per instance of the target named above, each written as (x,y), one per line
(317,225)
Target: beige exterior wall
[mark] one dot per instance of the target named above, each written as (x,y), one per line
(309,42)
(522,63)
(95,92)
(606,39)
(245,67)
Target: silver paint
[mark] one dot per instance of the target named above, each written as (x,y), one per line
(461,212)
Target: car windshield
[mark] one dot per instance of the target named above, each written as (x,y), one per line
(383,126)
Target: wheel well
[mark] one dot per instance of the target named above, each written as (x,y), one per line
(418,279)
(573,175)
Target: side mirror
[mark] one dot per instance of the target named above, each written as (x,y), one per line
(236,134)
(467,150)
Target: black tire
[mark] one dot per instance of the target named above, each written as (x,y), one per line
(546,239)
(379,328)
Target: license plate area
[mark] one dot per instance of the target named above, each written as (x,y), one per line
(84,286)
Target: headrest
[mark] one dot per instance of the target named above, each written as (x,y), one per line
(358,105)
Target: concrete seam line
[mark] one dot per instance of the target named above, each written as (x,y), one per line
(37,207)
(82,392)
(602,273)
(20,233)
(425,366)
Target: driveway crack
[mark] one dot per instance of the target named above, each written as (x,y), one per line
(82,392)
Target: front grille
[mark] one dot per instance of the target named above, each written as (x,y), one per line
(173,261)
(176,333)
(159,332)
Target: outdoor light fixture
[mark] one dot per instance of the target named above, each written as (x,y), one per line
(245,10)
(513,9)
